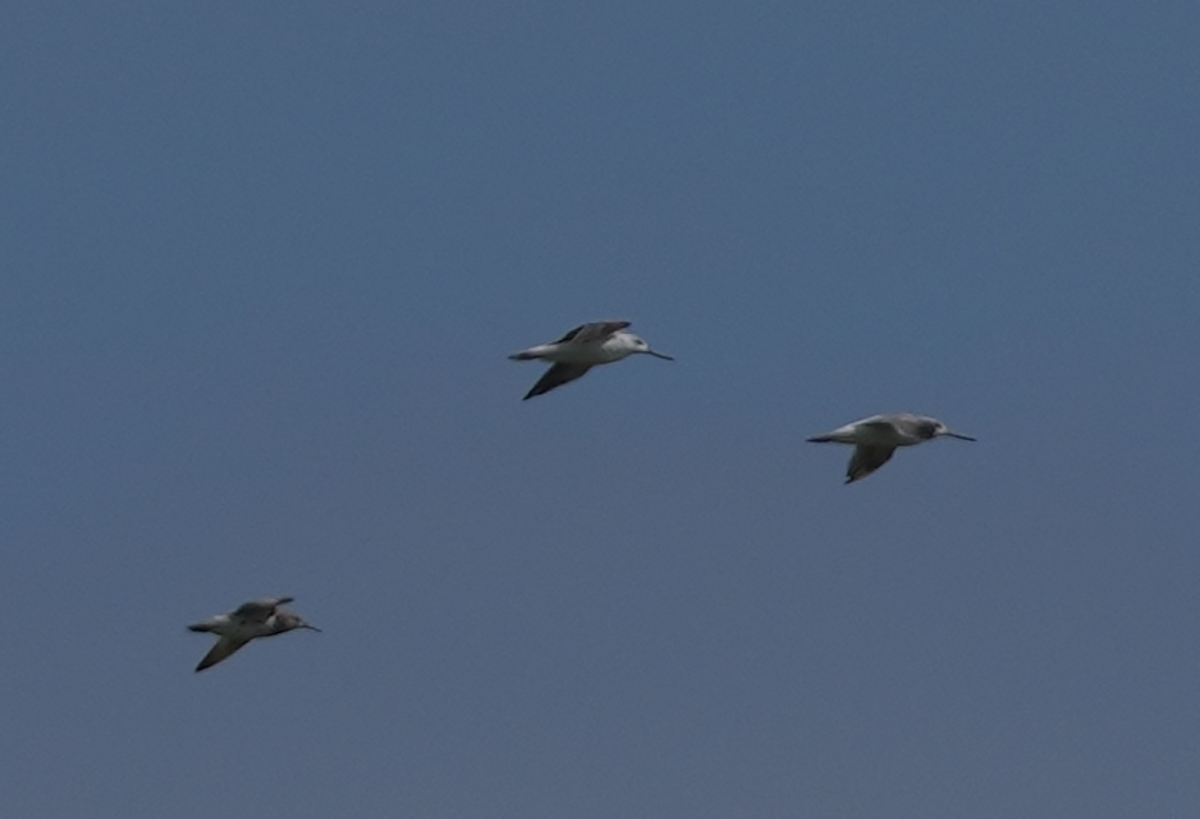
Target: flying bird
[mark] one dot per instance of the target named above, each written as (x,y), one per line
(258,618)
(600,342)
(875,439)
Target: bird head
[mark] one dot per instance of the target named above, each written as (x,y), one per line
(938,430)
(639,345)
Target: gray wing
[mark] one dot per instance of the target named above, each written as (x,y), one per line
(220,650)
(556,376)
(259,610)
(884,423)
(866,459)
(594,331)
(915,428)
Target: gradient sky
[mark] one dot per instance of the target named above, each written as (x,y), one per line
(260,267)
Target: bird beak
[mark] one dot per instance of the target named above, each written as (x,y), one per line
(310,628)
(959,436)
(663,356)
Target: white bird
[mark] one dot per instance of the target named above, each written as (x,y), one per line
(258,618)
(876,438)
(600,342)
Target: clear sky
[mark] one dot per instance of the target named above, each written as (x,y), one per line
(261,265)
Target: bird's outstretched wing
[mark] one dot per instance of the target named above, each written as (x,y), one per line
(221,649)
(259,610)
(879,423)
(556,376)
(594,331)
(866,459)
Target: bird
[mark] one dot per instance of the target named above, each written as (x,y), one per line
(598,342)
(257,618)
(875,439)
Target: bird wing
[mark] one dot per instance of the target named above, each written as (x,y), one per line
(556,376)
(594,331)
(206,625)
(866,459)
(258,611)
(221,649)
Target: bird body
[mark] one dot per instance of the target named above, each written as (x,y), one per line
(603,351)
(586,346)
(257,618)
(875,439)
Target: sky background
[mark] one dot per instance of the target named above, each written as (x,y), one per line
(260,267)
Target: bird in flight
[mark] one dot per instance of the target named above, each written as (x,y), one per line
(258,618)
(875,439)
(600,342)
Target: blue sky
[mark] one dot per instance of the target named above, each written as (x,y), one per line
(261,267)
